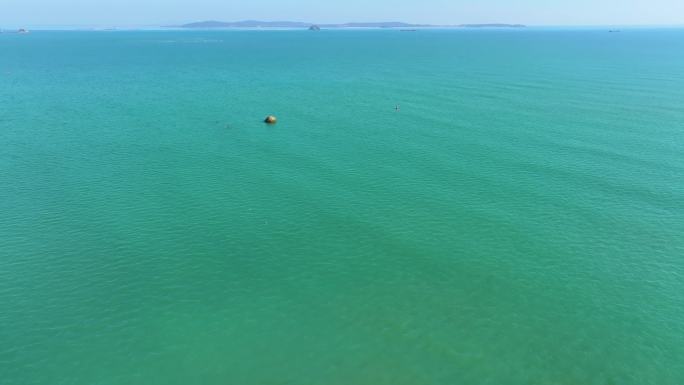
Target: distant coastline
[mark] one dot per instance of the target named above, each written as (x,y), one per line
(212,24)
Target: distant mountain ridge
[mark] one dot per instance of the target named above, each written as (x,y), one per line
(296,24)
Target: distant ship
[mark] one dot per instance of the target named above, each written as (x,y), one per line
(22,30)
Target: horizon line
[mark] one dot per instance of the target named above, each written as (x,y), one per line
(38,27)
(171,25)
(419,25)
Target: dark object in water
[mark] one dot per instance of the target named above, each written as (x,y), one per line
(314,28)
(270,119)
(614,30)
(408,30)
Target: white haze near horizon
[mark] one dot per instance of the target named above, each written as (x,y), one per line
(17,13)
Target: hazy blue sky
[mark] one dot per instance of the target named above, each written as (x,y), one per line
(157,12)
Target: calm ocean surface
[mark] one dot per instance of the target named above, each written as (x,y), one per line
(519,221)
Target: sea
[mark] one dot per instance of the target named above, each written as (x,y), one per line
(439,207)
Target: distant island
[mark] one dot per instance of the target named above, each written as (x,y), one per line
(21,31)
(297,25)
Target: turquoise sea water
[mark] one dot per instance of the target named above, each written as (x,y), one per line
(520,220)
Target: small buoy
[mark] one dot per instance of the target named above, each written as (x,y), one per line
(270,119)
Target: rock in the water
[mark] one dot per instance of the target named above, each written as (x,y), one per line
(270,119)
